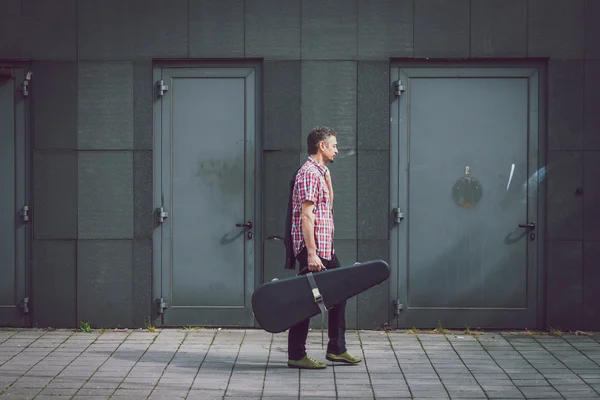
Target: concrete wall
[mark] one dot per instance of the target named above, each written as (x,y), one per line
(325,62)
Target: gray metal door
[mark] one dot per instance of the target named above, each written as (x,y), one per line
(14,303)
(465,172)
(205,169)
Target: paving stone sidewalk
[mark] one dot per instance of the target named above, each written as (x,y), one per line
(251,364)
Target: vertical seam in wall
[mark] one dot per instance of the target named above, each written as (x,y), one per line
(527,29)
(244,23)
(470,26)
(301,67)
(414,5)
(77,194)
(189,22)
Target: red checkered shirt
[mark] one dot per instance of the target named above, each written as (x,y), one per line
(310,185)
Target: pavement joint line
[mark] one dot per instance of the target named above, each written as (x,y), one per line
(433,366)
(25,347)
(201,363)
(493,359)
(108,358)
(233,365)
(532,366)
(262,391)
(465,364)
(399,366)
(9,337)
(65,367)
(566,366)
(362,349)
(14,355)
(164,369)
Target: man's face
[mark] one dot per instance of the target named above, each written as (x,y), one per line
(329,148)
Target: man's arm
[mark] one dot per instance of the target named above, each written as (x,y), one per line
(308,231)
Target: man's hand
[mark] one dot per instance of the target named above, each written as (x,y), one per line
(314,263)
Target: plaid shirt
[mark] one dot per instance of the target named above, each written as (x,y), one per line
(310,185)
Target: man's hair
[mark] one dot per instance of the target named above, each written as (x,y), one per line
(316,135)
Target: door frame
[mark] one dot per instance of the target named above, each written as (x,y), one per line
(23,105)
(157,65)
(397,140)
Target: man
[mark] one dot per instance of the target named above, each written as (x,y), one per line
(312,235)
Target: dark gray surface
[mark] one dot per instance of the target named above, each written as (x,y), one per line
(591,195)
(282,107)
(48,31)
(98,39)
(373,195)
(10,21)
(143,97)
(10,285)
(374,305)
(329,30)
(142,282)
(441,28)
(54,284)
(343,178)
(591,105)
(216,28)
(172,16)
(105,282)
(55,118)
(329,98)
(279,168)
(565,286)
(373,105)
(385,29)
(565,119)
(556,28)
(55,195)
(565,206)
(105,105)
(105,195)
(251,364)
(591,295)
(144,216)
(592,30)
(498,28)
(272,29)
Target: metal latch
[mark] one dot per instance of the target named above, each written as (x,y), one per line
(398,215)
(397,306)
(24,213)
(161,87)
(25,305)
(317,295)
(398,88)
(161,306)
(161,214)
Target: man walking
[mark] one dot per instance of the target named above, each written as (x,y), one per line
(312,235)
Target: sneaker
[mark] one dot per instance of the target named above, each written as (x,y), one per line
(306,363)
(345,357)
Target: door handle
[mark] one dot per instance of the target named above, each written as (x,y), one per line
(245,225)
(528,226)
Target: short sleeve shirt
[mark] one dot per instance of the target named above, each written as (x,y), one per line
(310,185)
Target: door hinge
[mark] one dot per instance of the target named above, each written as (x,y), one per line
(24,213)
(161,87)
(161,214)
(161,306)
(25,305)
(397,306)
(398,215)
(24,87)
(398,88)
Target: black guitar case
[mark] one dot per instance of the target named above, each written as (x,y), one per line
(282,303)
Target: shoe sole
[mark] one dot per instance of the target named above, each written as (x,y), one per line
(304,367)
(342,360)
